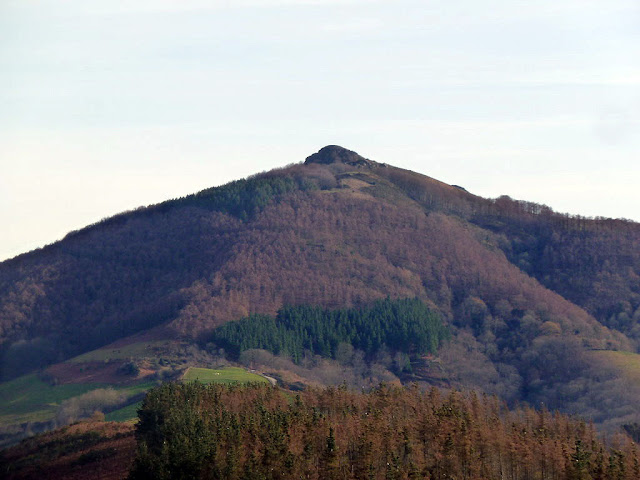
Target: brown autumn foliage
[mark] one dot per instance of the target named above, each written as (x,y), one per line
(263,432)
(215,431)
(92,450)
(518,284)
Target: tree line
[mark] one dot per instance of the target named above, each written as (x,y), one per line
(260,432)
(405,325)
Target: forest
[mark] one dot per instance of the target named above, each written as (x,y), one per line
(193,431)
(528,295)
(405,326)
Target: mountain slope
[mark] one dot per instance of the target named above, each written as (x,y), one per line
(519,284)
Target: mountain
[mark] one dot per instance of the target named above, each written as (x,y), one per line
(540,304)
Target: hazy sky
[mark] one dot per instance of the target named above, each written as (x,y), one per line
(109,105)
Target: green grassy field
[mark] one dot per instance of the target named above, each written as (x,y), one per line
(627,362)
(225,375)
(29,399)
(130,412)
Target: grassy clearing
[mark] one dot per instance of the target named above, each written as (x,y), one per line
(136,388)
(627,362)
(125,414)
(225,375)
(29,399)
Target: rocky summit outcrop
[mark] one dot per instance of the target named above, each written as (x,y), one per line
(336,154)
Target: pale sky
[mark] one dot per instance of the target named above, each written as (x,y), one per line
(109,105)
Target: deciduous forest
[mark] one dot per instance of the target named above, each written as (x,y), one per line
(259,432)
(345,264)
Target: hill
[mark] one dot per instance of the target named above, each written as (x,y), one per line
(526,292)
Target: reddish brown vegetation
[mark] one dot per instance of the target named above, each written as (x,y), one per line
(343,235)
(86,372)
(192,431)
(84,451)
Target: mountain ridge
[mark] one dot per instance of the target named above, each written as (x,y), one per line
(518,283)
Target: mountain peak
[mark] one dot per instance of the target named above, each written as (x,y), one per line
(336,154)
